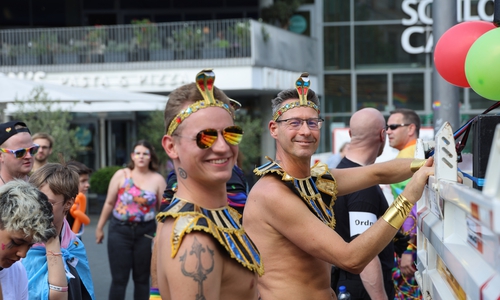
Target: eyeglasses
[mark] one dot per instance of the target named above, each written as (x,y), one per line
(395,126)
(296,123)
(207,137)
(55,203)
(21,153)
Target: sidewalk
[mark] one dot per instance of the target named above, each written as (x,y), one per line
(98,260)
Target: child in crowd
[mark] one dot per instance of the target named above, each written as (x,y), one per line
(83,187)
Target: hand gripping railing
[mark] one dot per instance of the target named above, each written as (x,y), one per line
(458,240)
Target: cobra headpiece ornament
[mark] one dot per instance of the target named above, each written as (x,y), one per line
(302,85)
(205,84)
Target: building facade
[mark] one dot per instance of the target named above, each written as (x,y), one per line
(359,53)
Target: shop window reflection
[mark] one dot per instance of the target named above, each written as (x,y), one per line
(337,93)
(365,10)
(408,91)
(380,46)
(372,91)
(337,48)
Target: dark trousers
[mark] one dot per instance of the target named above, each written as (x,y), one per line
(129,249)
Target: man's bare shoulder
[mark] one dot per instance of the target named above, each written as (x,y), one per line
(267,187)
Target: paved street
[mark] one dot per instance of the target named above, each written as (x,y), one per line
(98,260)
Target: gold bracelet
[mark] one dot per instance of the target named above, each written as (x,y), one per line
(397,213)
(417,164)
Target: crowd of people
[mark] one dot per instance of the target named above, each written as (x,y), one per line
(214,238)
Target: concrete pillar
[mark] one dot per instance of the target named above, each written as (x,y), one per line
(445,96)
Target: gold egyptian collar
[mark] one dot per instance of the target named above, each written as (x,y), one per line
(223,224)
(309,188)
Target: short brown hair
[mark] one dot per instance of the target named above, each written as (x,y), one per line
(61,179)
(79,168)
(409,116)
(186,95)
(43,135)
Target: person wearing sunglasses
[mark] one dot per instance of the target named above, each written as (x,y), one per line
(403,128)
(203,252)
(133,200)
(16,151)
(289,211)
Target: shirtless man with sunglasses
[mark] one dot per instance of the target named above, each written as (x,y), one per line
(203,252)
(17,151)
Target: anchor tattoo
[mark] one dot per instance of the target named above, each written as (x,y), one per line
(199,274)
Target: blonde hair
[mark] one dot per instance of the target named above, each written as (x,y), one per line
(24,208)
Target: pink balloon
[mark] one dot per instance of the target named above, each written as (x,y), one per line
(451,50)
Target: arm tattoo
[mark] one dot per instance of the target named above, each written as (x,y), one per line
(182,173)
(199,274)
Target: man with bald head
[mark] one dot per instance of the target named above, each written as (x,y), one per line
(357,211)
(16,151)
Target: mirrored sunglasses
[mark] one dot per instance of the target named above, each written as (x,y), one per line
(207,137)
(21,153)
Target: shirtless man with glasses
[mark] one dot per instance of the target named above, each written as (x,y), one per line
(17,151)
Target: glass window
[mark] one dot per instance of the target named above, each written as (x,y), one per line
(478,102)
(372,91)
(332,123)
(337,49)
(336,11)
(408,91)
(98,4)
(337,93)
(367,10)
(49,13)
(380,46)
(14,13)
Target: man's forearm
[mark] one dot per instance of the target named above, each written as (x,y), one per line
(393,171)
(373,281)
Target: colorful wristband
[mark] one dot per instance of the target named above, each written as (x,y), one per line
(154,293)
(397,213)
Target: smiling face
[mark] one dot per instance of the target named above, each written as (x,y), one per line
(209,165)
(13,246)
(299,144)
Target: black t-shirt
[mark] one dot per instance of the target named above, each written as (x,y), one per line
(356,212)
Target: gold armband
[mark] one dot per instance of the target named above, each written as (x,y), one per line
(417,164)
(396,214)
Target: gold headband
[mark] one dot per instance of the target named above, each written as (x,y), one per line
(205,84)
(302,86)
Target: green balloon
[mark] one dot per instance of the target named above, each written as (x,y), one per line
(482,65)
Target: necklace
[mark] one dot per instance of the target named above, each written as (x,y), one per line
(2,179)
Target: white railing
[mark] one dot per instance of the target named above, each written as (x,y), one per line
(147,42)
(459,228)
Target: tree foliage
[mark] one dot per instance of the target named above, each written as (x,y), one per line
(280,12)
(250,144)
(152,130)
(42,115)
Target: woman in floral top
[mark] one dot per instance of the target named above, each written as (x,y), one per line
(134,195)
